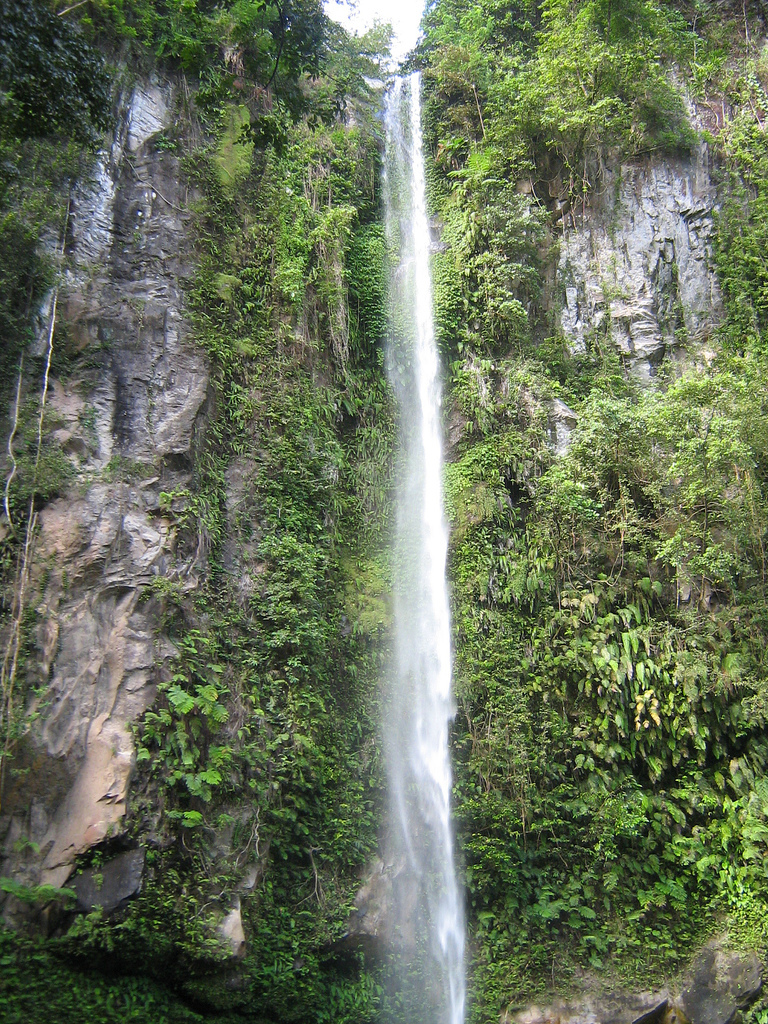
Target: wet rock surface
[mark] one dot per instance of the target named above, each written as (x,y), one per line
(561,422)
(385,911)
(125,298)
(370,920)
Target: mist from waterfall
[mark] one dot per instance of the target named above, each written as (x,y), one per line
(430,975)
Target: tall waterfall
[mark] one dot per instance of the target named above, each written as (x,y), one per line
(431,978)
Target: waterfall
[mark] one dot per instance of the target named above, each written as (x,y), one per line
(431,928)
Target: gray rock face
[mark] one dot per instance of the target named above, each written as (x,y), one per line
(126,419)
(638,265)
(125,297)
(721,983)
(384,914)
(718,983)
(230,932)
(613,1008)
(110,884)
(562,422)
(373,906)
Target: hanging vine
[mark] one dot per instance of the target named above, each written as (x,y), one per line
(10,664)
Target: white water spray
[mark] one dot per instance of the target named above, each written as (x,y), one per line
(431,920)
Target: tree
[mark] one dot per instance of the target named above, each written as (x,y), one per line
(52,81)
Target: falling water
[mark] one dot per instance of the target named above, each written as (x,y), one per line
(431,929)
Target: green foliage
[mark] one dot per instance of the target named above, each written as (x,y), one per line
(554,86)
(233,154)
(260,751)
(272,44)
(351,60)
(262,740)
(741,236)
(524,104)
(187,751)
(609,616)
(37,985)
(599,79)
(255,51)
(367,286)
(35,179)
(52,82)
(494,237)
(608,604)
(37,895)
(43,478)
(55,104)
(297,32)
(22,278)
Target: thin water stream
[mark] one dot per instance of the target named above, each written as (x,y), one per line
(431,976)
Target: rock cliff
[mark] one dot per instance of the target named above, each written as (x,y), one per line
(126,417)
(637,265)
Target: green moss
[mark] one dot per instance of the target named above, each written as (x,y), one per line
(226,285)
(235,147)
(367,595)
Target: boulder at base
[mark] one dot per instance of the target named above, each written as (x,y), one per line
(109,884)
(720,983)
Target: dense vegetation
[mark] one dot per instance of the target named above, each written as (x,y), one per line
(609,604)
(261,745)
(260,704)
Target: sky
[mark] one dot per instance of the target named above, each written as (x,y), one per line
(359,15)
